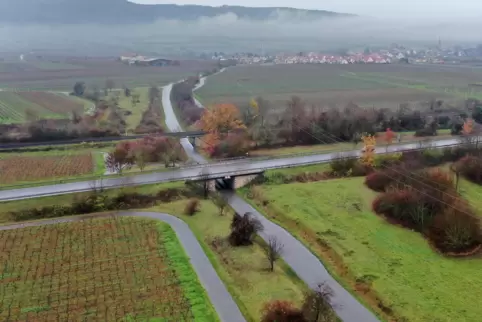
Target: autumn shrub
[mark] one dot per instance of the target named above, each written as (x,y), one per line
(432,157)
(360,170)
(232,145)
(404,206)
(192,207)
(380,180)
(341,167)
(96,201)
(281,311)
(382,161)
(243,229)
(471,168)
(457,229)
(276,178)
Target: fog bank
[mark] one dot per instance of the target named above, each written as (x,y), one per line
(228,33)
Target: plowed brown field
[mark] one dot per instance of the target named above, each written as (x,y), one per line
(110,269)
(31,168)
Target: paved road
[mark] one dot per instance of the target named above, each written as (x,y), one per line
(222,301)
(301,260)
(216,170)
(306,265)
(174,126)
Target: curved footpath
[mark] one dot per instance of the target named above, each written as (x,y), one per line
(295,254)
(219,296)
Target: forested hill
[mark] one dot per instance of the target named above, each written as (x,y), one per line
(123,11)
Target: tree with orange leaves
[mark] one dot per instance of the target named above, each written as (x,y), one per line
(468,127)
(368,151)
(218,121)
(389,136)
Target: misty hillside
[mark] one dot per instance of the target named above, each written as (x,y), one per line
(123,11)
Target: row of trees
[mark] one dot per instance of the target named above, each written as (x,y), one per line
(143,151)
(151,121)
(183,98)
(233,131)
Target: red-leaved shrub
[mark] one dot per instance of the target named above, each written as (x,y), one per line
(281,311)
(192,207)
(471,168)
(457,229)
(404,206)
(379,181)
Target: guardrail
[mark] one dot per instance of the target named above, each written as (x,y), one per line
(17,145)
(423,145)
(113,183)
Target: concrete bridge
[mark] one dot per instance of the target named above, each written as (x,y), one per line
(228,182)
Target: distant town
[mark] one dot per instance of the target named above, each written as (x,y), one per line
(394,54)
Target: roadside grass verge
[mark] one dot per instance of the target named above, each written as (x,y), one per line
(201,307)
(244,270)
(390,268)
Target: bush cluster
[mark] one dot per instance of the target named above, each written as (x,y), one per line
(316,307)
(192,207)
(470,167)
(243,229)
(97,202)
(426,201)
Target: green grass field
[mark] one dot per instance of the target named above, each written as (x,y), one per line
(138,109)
(328,85)
(362,249)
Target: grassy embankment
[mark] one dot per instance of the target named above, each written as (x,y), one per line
(125,103)
(393,270)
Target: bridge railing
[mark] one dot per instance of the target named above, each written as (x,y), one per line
(117,181)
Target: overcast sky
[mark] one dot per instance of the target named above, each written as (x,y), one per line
(379,8)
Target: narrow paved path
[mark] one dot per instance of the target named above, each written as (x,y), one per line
(307,266)
(222,301)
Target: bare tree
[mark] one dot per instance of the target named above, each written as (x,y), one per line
(317,306)
(140,159)
(204,177)
(220,202)
(455,168)
(273,251)
(134,99)
(109,85)
(154,93)
(118,161)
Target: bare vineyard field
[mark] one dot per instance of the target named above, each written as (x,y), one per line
(365,85)
(53,102)
(15,105)
(94,73)
(109,269)
(15,169)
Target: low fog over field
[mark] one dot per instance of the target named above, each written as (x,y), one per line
(228,33)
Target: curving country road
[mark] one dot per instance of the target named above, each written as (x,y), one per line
(295,254)
(222,301)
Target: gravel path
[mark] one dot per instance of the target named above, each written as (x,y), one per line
(222,301)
